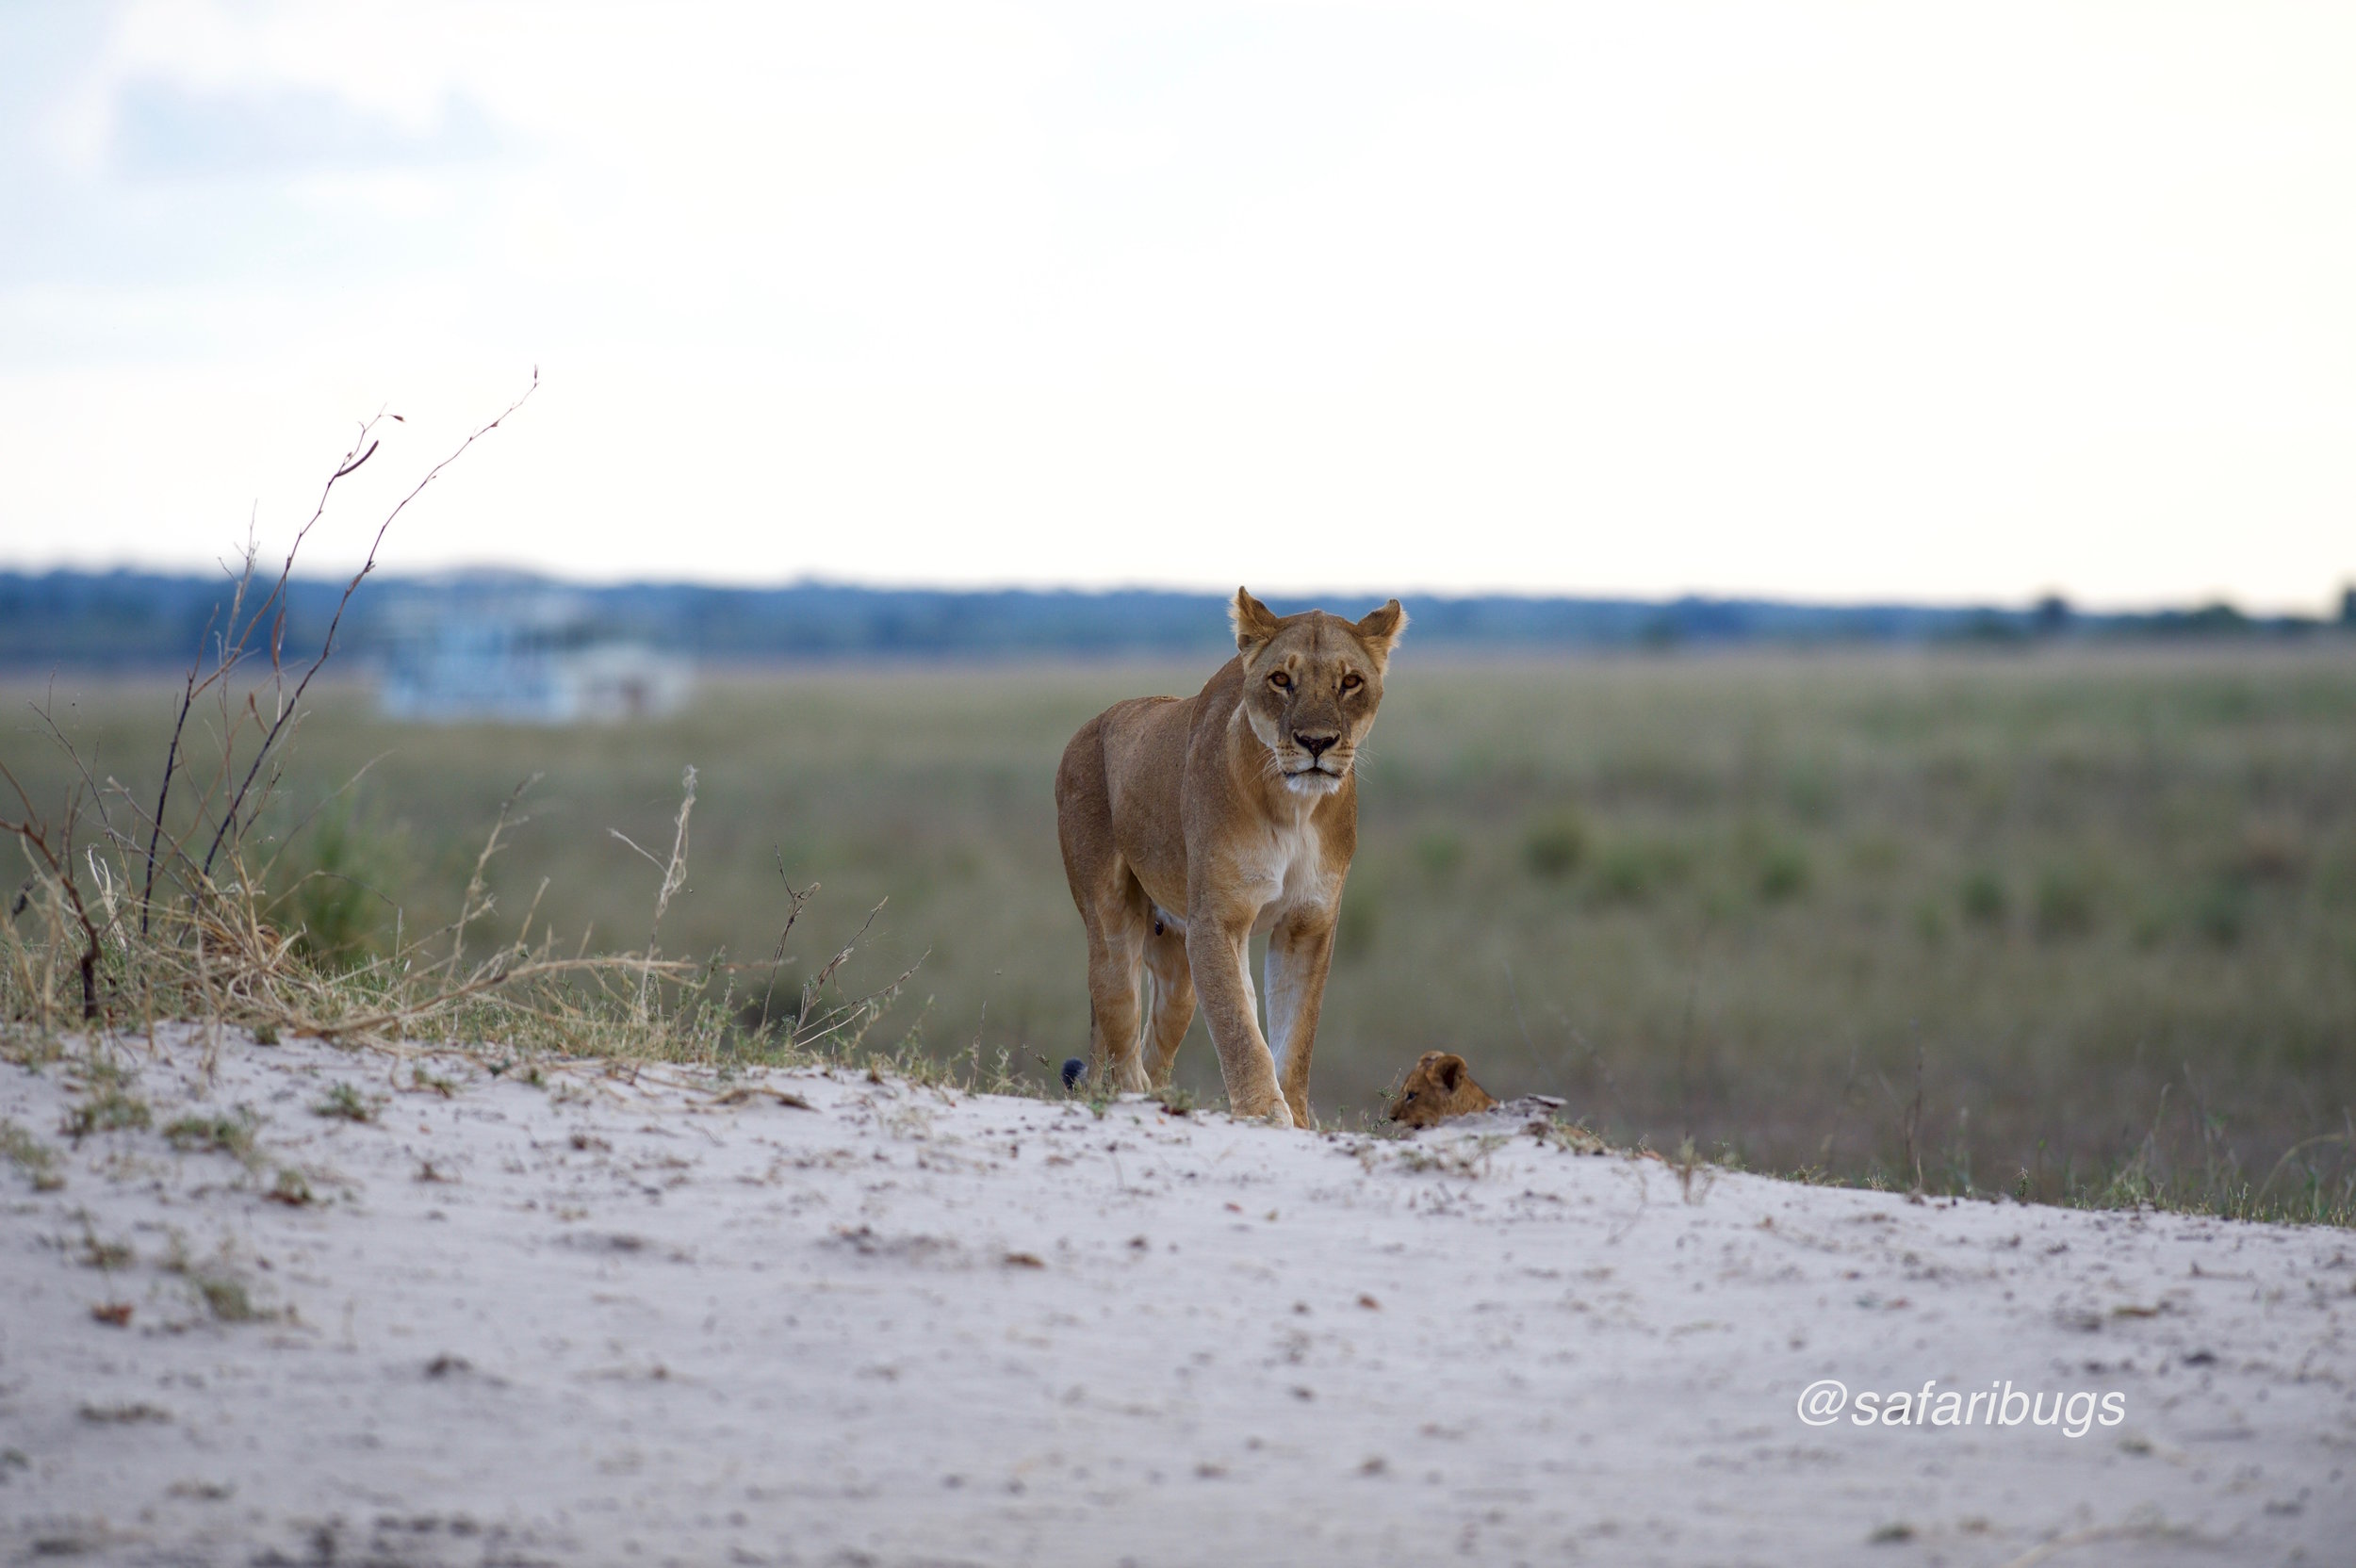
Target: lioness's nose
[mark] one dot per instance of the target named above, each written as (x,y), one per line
(1315,746)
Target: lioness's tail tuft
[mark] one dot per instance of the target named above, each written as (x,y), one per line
(1074,1071)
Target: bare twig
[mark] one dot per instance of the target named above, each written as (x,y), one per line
(327,644)
(33,834)
(163,790)
(809,991)
(795,901)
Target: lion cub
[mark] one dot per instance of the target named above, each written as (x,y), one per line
(1191,824)
(1438,1087)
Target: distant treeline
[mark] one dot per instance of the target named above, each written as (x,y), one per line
(125,619)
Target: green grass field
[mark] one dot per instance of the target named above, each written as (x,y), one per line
(2024,921)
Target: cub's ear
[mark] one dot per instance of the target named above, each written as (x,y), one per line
(1381,629)
(1451,1068)
(1254,623)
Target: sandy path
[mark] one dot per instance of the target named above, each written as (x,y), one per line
(593,1322)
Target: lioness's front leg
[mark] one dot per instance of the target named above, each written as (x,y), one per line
(1217,951)
(1300,950)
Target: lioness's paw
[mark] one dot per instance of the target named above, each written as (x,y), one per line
(1279,1115)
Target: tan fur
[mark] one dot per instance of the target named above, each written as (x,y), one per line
(1192,824)
(1438,1087)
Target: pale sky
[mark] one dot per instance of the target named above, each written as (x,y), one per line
(1836,301)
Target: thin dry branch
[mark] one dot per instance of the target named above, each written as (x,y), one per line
(327,644)
(163,790)
(794,903)
(33,834)
(818,983)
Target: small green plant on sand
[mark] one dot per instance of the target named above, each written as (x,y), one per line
(109,1110)
(231,1134)
(105,1256)
(30,1155)
(343,1103)
(225,1297)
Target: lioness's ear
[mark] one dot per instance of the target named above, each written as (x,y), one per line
(1379,629)
(1254,623)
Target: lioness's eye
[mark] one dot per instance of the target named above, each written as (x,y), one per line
(1351,683)
(1280,680)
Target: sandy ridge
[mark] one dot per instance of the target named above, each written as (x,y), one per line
(589,1320)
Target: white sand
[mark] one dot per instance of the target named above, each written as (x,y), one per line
(623,1324)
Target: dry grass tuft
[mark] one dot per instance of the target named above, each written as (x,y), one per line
(176,906)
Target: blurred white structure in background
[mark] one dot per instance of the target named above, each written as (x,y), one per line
(520,655)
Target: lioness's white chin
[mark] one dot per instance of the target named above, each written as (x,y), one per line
(1312,781)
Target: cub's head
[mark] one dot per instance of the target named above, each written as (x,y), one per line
(1311,684)
(1438,1087)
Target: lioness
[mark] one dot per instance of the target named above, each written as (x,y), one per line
(1189,825)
